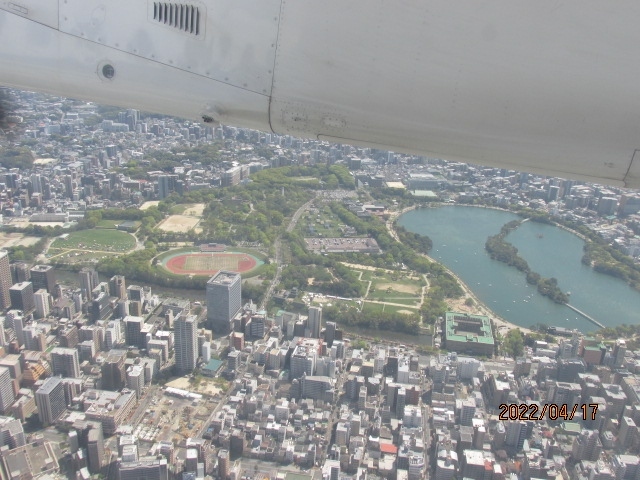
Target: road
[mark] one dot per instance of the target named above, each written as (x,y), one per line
(143,404)
(279,254)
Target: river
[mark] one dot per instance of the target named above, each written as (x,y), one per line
(69,278)
(459,234)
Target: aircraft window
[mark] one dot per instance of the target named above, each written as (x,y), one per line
(108,71)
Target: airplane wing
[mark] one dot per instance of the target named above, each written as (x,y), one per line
(547,87)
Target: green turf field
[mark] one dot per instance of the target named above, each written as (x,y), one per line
(108,223)
(97,239)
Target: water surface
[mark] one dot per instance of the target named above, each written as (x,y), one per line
(459,234)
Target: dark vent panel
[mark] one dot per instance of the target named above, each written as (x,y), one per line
(182,16)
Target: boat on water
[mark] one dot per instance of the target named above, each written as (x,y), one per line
(539,235)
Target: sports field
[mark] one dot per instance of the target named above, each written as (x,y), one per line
(196,263)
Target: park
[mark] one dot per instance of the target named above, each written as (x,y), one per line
(93,244)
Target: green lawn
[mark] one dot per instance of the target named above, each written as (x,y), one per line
(381,307)
(366,275)
(178,209)
(108,223)
(97,239)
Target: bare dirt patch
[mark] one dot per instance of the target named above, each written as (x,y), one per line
(458,305)
(366,267)
(15,239)
(149,204)
(195,210)
(398,287)
(205,386)
(406,312)
(178,223)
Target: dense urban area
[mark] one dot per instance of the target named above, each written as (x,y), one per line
(190,301)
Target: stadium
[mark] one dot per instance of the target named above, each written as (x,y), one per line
(208,263)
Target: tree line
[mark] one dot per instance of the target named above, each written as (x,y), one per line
(501,250)
(598,254)
(377,320)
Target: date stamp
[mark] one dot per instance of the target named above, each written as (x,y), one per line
(549,411)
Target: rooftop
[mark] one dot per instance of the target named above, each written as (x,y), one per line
(223,277)
(214,365)
(463,327)
(49,384)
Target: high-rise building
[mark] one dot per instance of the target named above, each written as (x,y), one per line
(224,300)
(50,400)
(20,272)
(224,464)
(7,396)
(147,468)
(95,448)
(93,333)
(69,336)
(88,281)
(5,280)
(627,433)
(42,301)
(15,318)
(517,433)
(166,185)
(330,333)
(133,335)
(113,373)
(36,183)
(335,471)
(619,352)
(135,379)
(467,411)
(586,446)
(186,343)
(11,433)
(303,361)
(35,337)
(43,276)
(64,362)
(112,334)
(255,329)
(314,322)
(117,287)
(21,295)
(100,307)
(236,340)
(136,293)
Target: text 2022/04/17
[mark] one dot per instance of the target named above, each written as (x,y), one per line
(550,411)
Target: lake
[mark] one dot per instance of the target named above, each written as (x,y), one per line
(459,234)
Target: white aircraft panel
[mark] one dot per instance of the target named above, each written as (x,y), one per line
(46,60)
(41,11)
(540,86)
(233,41)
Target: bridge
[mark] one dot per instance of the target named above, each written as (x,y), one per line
(588,317)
